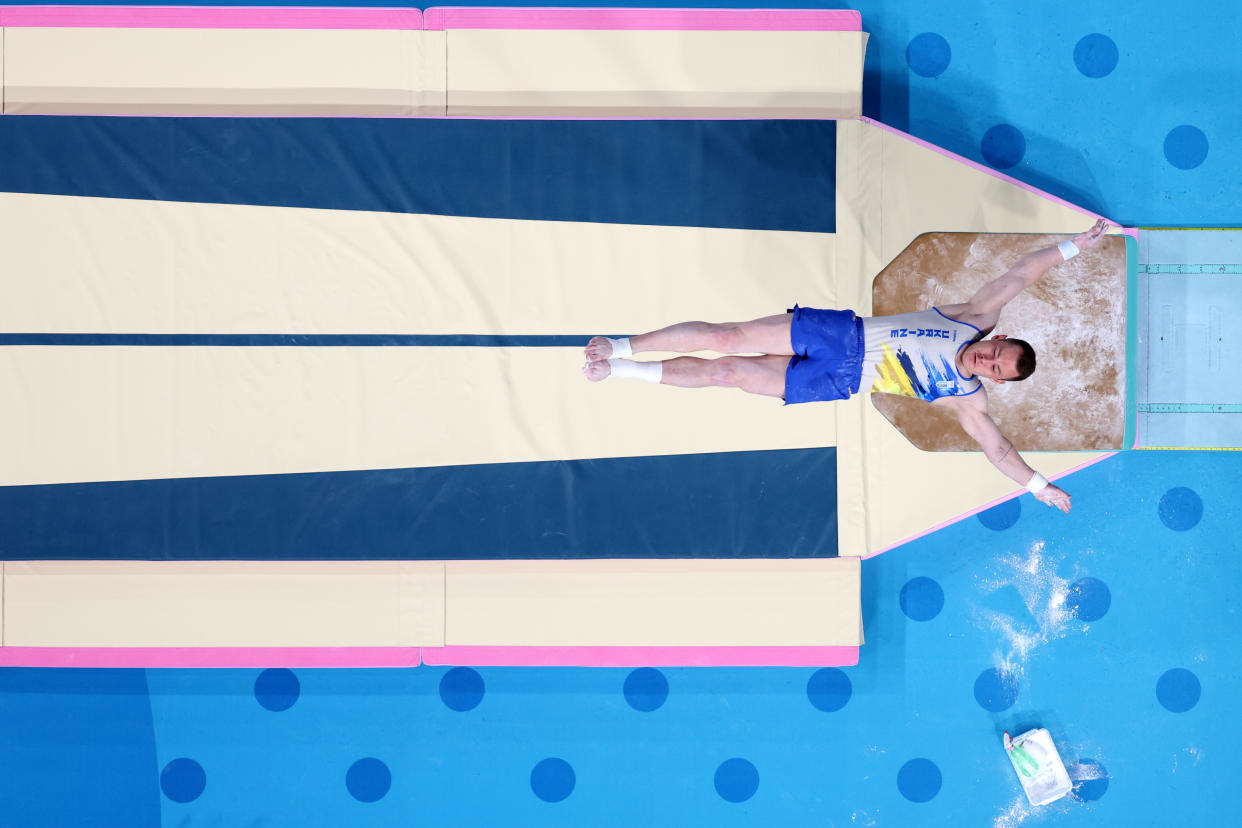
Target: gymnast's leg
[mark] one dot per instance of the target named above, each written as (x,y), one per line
(766,335)
(763,375)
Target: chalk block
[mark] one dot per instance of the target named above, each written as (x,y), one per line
(1039,767)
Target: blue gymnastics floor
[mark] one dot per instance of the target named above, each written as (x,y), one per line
(1116,627)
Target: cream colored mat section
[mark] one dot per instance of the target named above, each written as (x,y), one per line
(133,266)
(889,190)
(648,603)
(76,414)
(224,604)
(223,71)
(727,603)
(701,74)
(528,73)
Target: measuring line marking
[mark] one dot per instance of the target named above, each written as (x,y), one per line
(1190,408)
(1187,448)
(1218,269)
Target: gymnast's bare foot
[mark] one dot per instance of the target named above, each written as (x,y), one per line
(597,370)
(600,347)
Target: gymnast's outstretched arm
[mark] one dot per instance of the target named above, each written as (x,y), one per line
(972,413)
(983,309)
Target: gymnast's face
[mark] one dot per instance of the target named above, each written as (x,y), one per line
(993,359)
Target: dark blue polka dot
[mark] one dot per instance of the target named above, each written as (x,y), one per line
(996,690)
(1003,146)
(1095,55)
(921,599)
(277,689)
(1178,690)
(1090,780)
(919,780)
(1185,147)
(1088,599)
(646,689)
(183,780)
(928,54)
(461,689)
(1002,515)
(368,780)
(552,779)
(829,689)
(736,780)
(1180,509)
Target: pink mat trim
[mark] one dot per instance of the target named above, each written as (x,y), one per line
(985,507)
(210,17)
(263,657)
(641,656)
(783,20)
(209,657)
(435,19)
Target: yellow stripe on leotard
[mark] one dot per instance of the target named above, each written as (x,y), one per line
(891,377)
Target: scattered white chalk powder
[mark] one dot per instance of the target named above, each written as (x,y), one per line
(1043,593)
(1033,574)
(1081,773)
(1016,814)
(1020,810)
(1193,752)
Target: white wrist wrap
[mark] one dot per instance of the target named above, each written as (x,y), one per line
(1068,250)
(1037,483)
(620,347)
(628,369)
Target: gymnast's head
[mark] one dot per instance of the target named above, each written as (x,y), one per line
(1000,359)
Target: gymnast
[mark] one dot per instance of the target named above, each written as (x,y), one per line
(940,355)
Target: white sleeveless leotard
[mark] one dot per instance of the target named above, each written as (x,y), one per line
(914,355)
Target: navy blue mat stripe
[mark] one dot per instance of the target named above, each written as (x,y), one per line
(762,504)
(770,175)
(300,340)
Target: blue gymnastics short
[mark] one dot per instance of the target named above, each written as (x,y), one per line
(828,350)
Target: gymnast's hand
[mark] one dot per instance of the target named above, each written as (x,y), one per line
(1089,239)
(1055,497)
